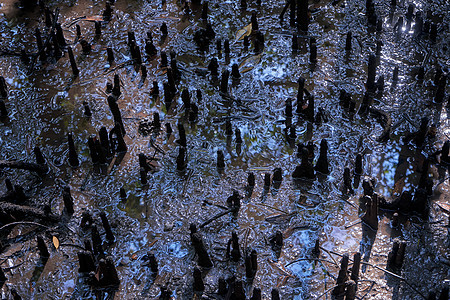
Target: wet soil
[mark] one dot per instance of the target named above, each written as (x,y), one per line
(45,102)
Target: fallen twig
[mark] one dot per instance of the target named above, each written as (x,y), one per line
(370,288)
(13,267)
(22,223)
(329,254)
(271,207)
(72,245)
(14,164)
(326,292)
(310,258)
(21,212)
(216,205)
(353,224)
(104,74)
(217,217)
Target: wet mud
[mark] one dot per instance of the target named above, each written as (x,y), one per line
(224,149)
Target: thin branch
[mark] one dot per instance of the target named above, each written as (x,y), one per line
(327,272)
(271,207)
(217,217)
(353,224)
(308,258)
(329,254)
(47,42)
(370,288)
(104,74)
(72,245)
(13,267)
(23,223)
(326,292)
(348,202)
(14,164)
(216,205)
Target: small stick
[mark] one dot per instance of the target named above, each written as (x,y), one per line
(216,205)
(23,223)
(326,292)
(329,253)
(23,165)
(274,208)
(21,211)
(310,258)
(353,224)
(217,217)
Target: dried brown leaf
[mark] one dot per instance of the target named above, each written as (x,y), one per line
(94,18)
(55,242)
(280,268)
(246,31)
(249,63)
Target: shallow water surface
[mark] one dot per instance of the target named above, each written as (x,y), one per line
(45,102)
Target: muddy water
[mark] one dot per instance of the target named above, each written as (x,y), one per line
(45,102)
